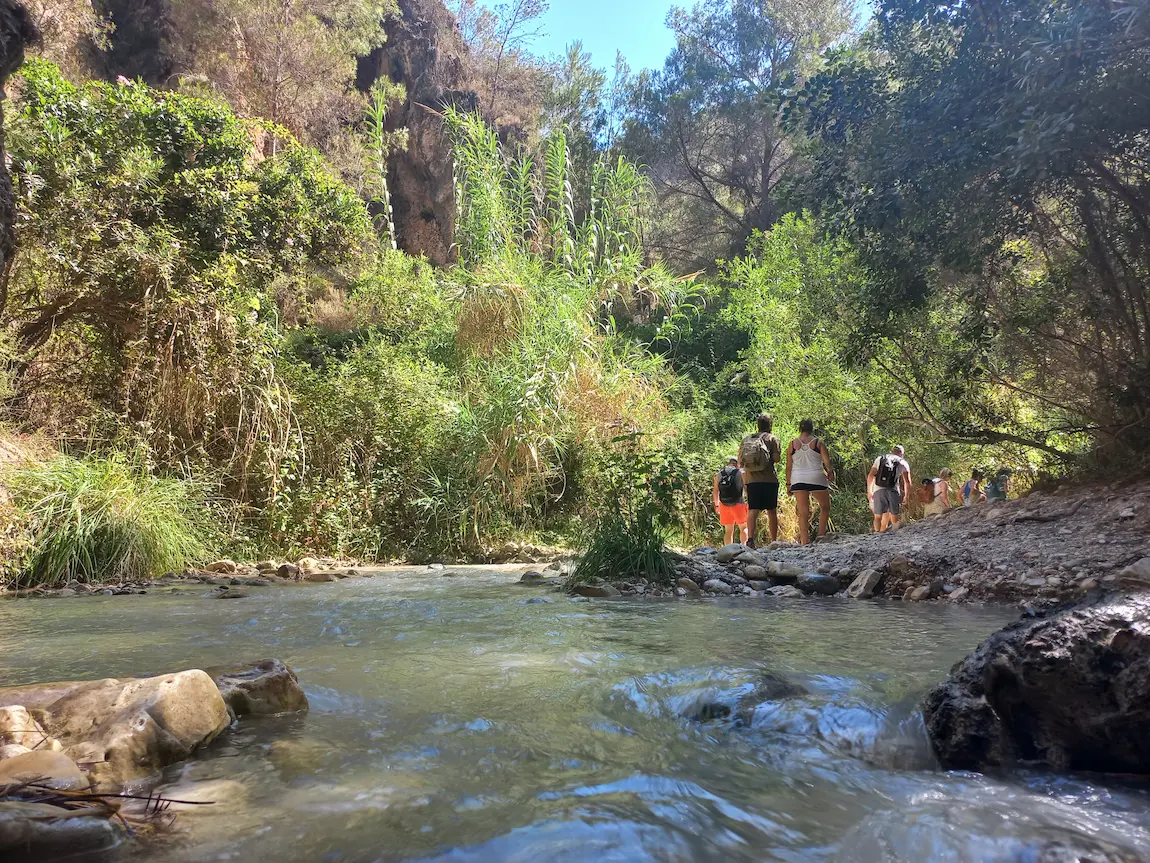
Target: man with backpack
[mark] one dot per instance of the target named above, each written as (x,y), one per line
(729,503)
(888,488)
(758,455)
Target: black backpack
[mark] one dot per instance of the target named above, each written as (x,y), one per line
(887,475)
(730,486)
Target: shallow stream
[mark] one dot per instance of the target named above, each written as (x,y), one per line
(463,718)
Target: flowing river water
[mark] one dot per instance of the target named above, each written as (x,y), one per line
(462,718)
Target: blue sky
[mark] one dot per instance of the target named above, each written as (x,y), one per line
(635,27)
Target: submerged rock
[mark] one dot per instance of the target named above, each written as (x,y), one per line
(261,688)
(38,832)
(815,582)
(1071,692)
(532,578)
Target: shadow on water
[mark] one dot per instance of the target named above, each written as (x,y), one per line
(467,719)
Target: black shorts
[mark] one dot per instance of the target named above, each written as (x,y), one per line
(808,486)
(762,495)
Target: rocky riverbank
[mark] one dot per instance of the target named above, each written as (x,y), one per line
(1041,550)
(68,750)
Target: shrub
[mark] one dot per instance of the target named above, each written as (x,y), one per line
(636,512)
(104,519)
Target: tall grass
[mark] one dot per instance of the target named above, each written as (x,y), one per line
(105,519)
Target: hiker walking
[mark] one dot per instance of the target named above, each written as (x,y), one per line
(972,492)
(934,493)
(888,488)
(809,472)
(998,487)
(758,455)
(729,503)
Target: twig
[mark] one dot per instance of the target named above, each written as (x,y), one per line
(1055,516)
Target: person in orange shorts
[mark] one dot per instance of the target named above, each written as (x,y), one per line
(729,503)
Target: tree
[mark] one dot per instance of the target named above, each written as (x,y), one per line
(509,81)
(290,62)
(708,126)
(996,158)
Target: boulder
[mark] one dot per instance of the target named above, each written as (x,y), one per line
(752,559)
(716,586)
(688,585)
(959,594)
(816,582)
(267,566)
(261,688)
(919,594)
(786,591)
(533,578)
(784,573)
(308,564)
(1136,575)
(864,586)
(760,585)
(38,831)
(226,567)
(755,573)
(128,729)
(1070,691)
(19,727)
(288,570)
(317,576)
(51,769)
(729,552)
(595,589)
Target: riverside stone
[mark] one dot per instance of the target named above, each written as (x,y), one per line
(864,586)
(595,590)
(316,576)
(786,591)
(232,593)
(959,595)
(1069,692)
(532,578)
(288,571)
(131,728)
(225,566)
(716,586)
(729,552)
(688,585)
(815,582)
(752,559)
(308,564)
(19,727)
(261,688)
(47,768)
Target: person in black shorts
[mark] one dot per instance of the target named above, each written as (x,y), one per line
(758,455)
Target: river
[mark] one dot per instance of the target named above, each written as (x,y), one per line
(463,718)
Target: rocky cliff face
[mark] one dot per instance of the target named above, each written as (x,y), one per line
(17,31)
(138,46)
(423,53)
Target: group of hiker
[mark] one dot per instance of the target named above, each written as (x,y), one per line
(749,484)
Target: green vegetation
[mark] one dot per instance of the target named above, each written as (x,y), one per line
(104,519)
(931,230)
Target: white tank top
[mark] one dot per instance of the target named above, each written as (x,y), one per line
(807,465)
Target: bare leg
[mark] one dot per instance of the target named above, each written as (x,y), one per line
(752,525)
(878,524)
(803,513)
(824,501)
(728,534)
(773,524)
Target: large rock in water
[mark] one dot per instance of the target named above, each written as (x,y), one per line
(815,582)
(1071,692)
(262,688)
(38,832)
(127,729)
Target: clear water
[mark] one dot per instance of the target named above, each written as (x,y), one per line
(462,718)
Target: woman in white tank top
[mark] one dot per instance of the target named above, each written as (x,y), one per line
(809,472)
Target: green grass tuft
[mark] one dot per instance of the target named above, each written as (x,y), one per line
(103,520)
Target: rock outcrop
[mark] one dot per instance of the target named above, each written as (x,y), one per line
(423,53)
(1070,692)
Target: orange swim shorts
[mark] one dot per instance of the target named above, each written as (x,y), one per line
(736,513)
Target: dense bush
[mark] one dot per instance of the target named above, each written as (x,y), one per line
(106,519)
